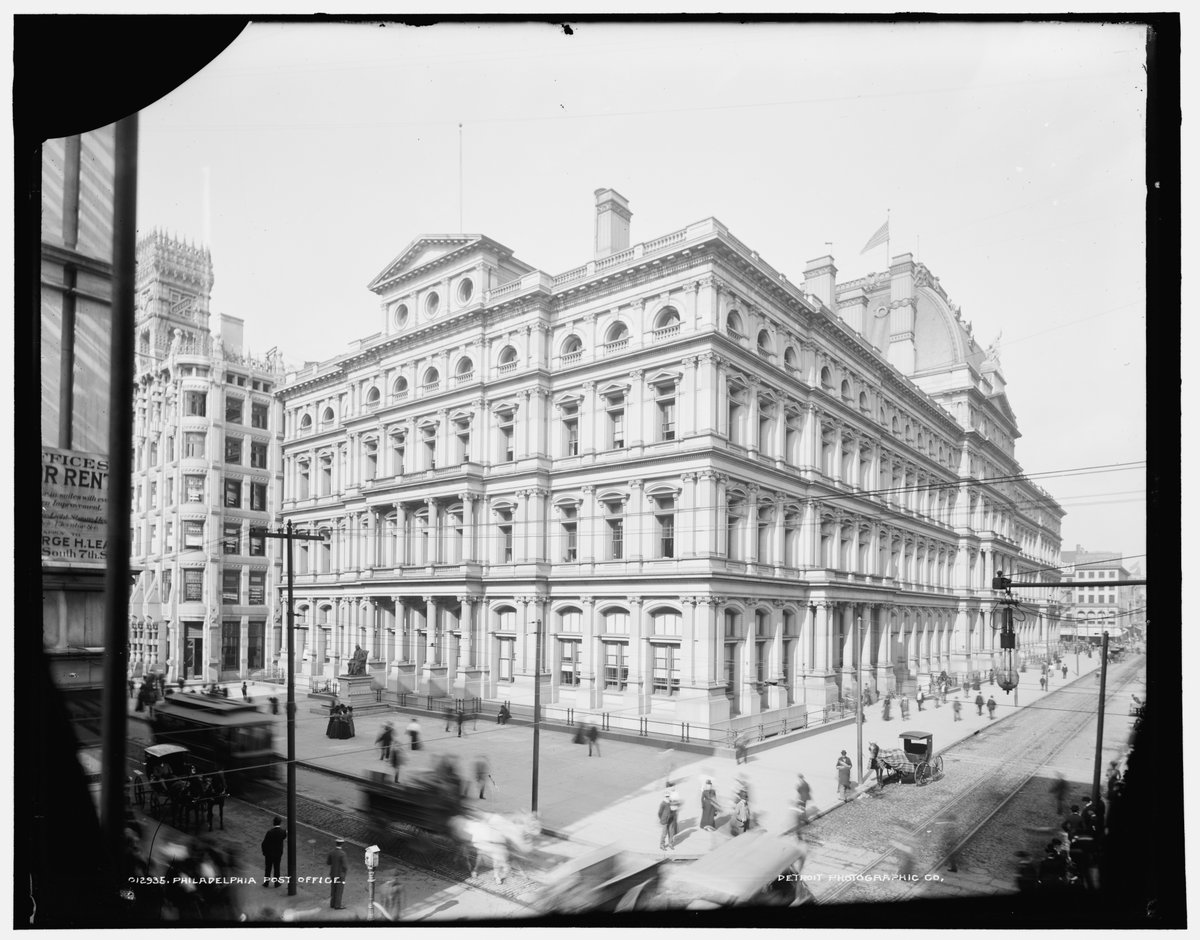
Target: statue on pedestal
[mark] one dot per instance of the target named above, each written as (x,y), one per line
(357,665)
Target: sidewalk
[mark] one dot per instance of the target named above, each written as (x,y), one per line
(614,797)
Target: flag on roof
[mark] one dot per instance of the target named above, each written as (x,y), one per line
(878,238)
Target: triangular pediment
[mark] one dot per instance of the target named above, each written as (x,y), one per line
(419,253)
(427,251)
(1000,400)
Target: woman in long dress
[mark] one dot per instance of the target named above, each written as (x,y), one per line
(708,806)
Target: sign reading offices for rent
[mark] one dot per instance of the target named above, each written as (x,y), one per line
(74,507)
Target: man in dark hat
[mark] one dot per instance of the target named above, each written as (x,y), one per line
(272,849)
(337,874)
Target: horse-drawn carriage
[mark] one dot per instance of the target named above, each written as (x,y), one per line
(434,805)
(176,781)
(914,762)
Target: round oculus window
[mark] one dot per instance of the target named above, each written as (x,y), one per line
(465,289)
(431,303)
(400,315)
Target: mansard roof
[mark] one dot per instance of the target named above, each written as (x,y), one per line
(428,252)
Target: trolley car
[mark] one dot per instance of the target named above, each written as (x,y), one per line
(234,736)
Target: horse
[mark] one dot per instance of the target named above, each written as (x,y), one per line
(495,836)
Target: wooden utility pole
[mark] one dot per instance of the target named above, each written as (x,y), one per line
(289,536)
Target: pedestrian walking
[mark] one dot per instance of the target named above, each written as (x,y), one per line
(1042,681)
(132,685)
(843,765)
(1064,670)
(1059,789)
(245,692)
(414,734)
(459,718)
(449,715)
(391,896)
(336,860)
(1073,824)
(875,765)
(739,749)
(991,707)
(274,700)
(920,700)
(904,706)
(739,821)
(668,816)
(803,795)
(385,741)
(593,740)
(979,704)
(887,707)
(272,850)
(708,806)
(481,775)
(396,759)
(957,709)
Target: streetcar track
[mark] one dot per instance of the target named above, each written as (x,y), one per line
(412,846)
(906,888)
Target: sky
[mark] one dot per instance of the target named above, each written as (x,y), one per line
(1009,158)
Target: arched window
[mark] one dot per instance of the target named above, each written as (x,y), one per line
(863,404)
(465,369)
(372,396)
(572,346)
(895,425)
(306,423)
(826,378)
(845,390)
(764,343)
(431,379)
(733,323)
(667,318)
(327,416)
(508,358)
(789,359)
(400,388)
(616,333)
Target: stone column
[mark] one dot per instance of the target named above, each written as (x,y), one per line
(752,414)
(686,400)
(635,513)
(707,517)
(687,519)
(588,525)
(777,693)
(591,681)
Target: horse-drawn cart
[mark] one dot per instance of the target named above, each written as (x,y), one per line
(914,762)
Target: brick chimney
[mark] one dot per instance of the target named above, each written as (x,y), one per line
(612,222)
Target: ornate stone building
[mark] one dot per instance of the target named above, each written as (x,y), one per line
(206,469)
(700,479)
